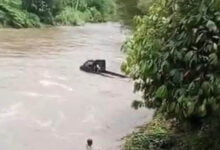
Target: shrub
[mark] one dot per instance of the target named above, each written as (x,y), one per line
(28,13)
(14,17)
(173,57)
(91,10)
(70,16)
(153,136)
(95,15)
(128,9)
(105,7)
(42,8)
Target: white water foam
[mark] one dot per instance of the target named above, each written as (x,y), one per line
(11,111)
(51,83)
(34,94)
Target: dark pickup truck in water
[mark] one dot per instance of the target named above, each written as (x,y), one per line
(98,67)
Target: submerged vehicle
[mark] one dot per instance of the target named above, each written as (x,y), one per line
(94,66)
(98,67)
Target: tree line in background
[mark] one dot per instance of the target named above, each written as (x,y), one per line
(31,13)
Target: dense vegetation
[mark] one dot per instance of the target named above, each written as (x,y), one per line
(127,9)
(173,57)
(33,13)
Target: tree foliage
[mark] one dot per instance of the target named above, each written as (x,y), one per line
(12,15)
(68,12)
(174,55)
(43,8)
(46,9)
(127,9)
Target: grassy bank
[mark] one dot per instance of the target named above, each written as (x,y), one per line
(163,134)
(26,13)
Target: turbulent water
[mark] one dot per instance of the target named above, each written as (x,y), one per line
(46,103)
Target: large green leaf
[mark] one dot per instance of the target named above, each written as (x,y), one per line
(211,25)
(161,92)
(191,107)
(213,59)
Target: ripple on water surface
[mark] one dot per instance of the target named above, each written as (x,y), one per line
(47,103)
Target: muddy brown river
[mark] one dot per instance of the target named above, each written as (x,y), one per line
(47,103)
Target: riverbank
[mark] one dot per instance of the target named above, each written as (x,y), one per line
(163,134)
(26,14)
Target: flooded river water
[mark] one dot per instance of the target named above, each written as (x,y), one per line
(47,103)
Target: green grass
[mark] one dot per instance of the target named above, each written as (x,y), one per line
(162,134)
(148,137)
